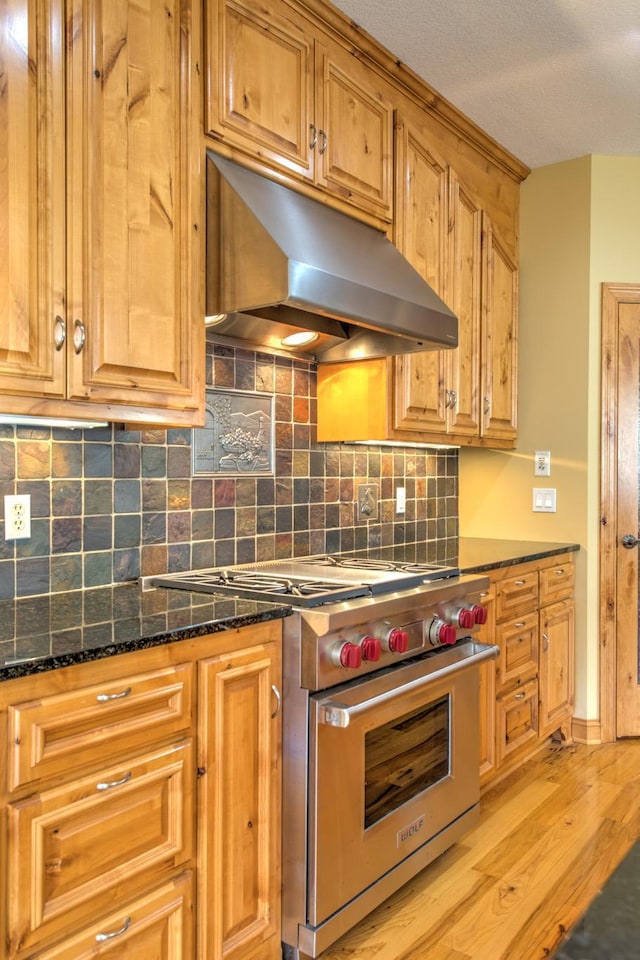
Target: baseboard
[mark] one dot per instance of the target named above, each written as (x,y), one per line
(586,731)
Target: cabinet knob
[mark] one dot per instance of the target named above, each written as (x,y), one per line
(59,333)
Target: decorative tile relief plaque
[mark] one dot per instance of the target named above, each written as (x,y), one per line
(237,438)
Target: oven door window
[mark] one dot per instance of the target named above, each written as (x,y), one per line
(405,757)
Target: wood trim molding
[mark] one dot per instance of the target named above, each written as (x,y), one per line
(586,731)
(612,296)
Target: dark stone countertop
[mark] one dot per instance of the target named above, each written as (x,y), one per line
(43,633)
(38,634)
(477,555)
(610,929)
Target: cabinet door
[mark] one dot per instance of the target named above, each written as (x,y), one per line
(78,850)
(487,722)
(156,927)
(134,203)
(420,401)
(464,297)
(32,183)
(518,657)
(239,803)
(259,74)
(517,719)
(556,665)
(499,337)
(354,125)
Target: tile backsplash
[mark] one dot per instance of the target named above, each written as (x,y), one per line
(111,504)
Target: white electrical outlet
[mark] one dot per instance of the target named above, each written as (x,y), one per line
(401,499)
(17,517)
(542,463)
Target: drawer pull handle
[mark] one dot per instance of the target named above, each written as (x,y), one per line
(106,785)
(545,645)
(278,697)
(520,583)
(105,697)
(520,624)
(101,937)
(559,572)
(313,136)
(520,696)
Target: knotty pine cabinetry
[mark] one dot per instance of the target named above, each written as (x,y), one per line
(142,792)
(530,695)
(286,94)
(464,396)
(101,199)
(293,88)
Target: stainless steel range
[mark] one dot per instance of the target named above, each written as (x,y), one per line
(380,725)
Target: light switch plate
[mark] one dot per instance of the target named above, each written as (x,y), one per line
(544,500)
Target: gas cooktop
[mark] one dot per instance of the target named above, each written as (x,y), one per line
(310,581)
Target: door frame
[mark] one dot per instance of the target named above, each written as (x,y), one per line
(613,294)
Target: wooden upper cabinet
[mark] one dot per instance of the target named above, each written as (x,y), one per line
(287,96)
(101,197)
(259,82)
(134,202)
(439,231)
(421,223)
(32,197)
(499,338)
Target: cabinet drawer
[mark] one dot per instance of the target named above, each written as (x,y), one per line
(517,594)
(557,582)
(518,643)
(516,719)
(159,925)
(76,852)
(84,728)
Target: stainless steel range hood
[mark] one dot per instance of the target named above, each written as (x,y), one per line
(279,263)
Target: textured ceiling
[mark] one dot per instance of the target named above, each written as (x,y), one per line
(550,80)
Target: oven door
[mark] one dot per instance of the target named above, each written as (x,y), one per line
(394,759)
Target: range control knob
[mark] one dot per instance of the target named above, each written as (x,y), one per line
(480,613)
(348,655)
(441,633)
(371,648)
(397,640)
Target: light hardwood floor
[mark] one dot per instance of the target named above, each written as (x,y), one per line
(548,838)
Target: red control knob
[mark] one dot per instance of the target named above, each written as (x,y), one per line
(466,618)
(398,640)
(350,656)
(371,649)
(480,613)
(441,633)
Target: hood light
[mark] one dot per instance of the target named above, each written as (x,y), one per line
(299,339)
(214,319)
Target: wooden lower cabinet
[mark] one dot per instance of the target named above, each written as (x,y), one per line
(165,843)
(158,926)
(239,800)
(527,693)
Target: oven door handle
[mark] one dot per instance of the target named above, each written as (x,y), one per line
(332,713)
